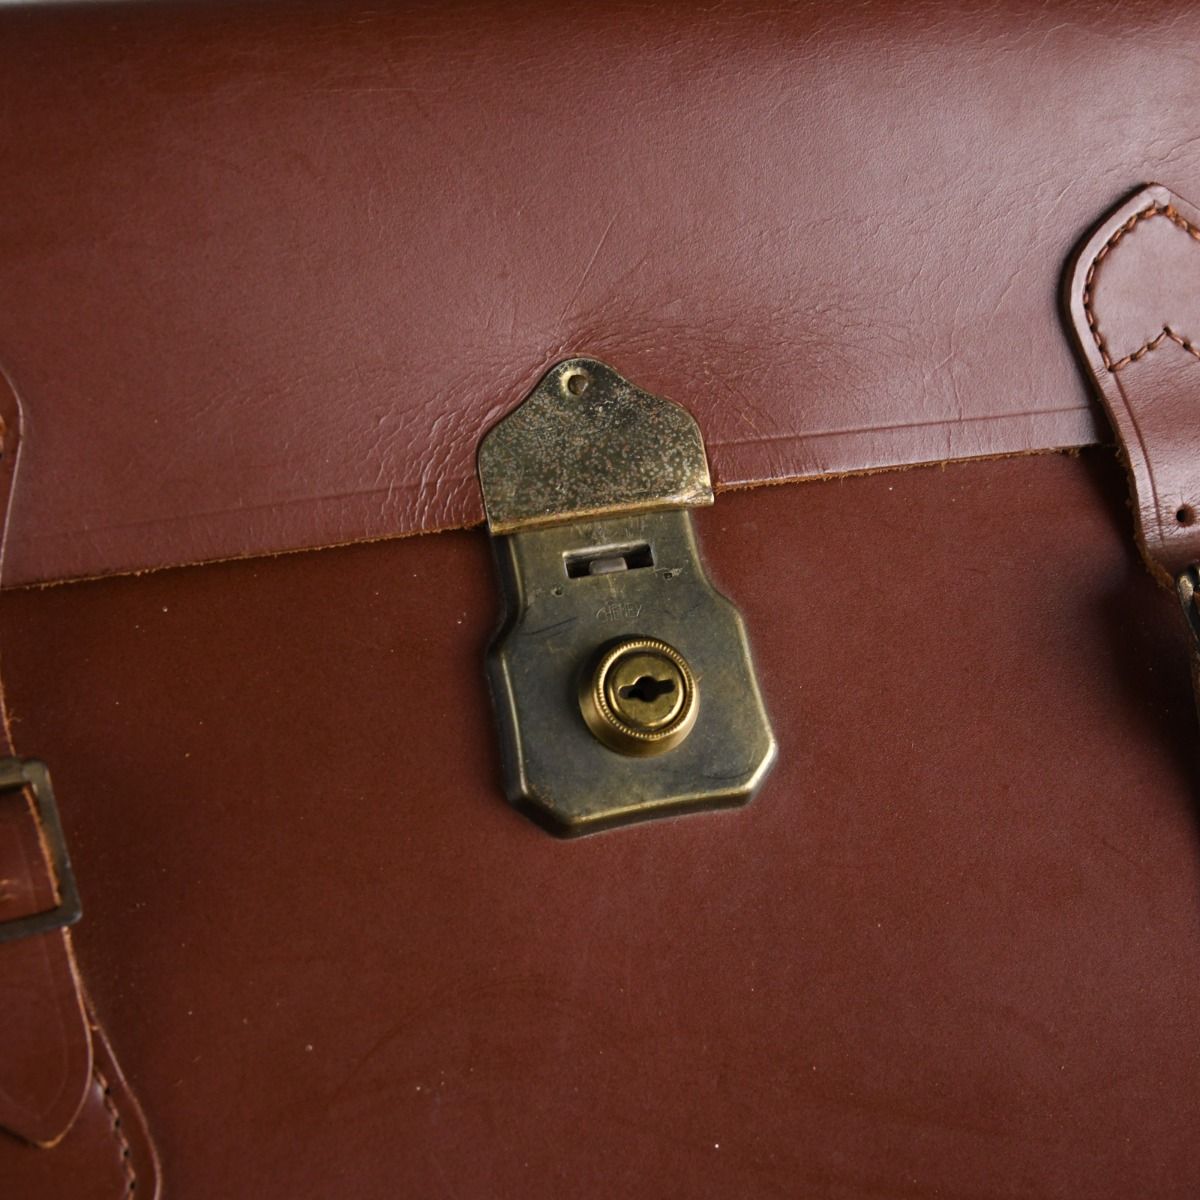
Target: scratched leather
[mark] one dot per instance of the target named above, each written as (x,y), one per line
(952,948)
(270,270)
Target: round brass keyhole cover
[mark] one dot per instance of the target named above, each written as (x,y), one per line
(639,697)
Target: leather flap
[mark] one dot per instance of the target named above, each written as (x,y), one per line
(270,270)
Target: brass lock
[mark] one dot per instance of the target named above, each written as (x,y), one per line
(640,698)
(621,678)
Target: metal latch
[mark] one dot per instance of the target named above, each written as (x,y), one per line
(622,679)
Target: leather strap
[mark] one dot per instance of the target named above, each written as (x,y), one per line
(45,1044)
(107,1155)
(59,1083)
(1134,302)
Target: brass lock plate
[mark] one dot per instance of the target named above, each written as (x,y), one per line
(622,679)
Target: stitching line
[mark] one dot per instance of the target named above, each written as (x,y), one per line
(119,1134)
(1155,210)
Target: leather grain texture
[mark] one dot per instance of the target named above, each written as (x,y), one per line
(952,949)
(1134,301)
(270,269)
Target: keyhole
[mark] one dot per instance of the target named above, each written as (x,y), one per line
(647,689)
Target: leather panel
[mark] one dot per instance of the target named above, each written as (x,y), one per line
(952,949)
(271,269)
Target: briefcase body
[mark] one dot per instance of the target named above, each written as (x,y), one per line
(273,272)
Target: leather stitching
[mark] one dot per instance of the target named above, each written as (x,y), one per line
(119,1135)
(1155,210)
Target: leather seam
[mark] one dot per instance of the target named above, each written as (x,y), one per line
(1154,210)
(119,1136)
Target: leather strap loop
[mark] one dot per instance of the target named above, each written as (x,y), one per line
(1134,302)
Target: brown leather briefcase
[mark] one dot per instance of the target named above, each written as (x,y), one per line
(435,764)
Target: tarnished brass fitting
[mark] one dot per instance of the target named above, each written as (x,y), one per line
(640,698)
(609,613)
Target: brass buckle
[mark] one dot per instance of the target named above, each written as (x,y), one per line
(16,774)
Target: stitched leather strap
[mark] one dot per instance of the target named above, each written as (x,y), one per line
(107,1155)
(1134,301)
(45,1044)
(60,1085)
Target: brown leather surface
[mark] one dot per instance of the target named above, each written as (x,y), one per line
(270,269)
(952,949)
(1134,299)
